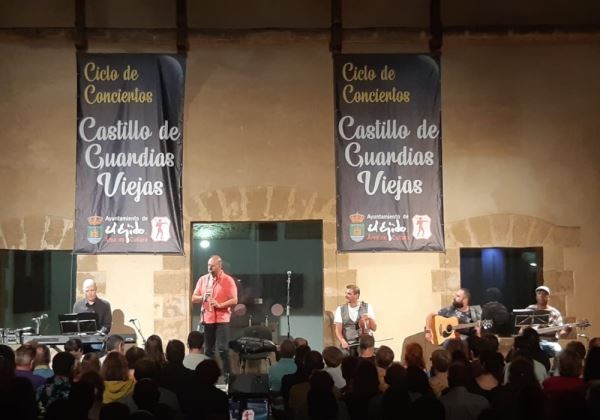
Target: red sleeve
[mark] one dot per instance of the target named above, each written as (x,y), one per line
(198,288)
(229,288)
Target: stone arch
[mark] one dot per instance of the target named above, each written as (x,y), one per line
(509,230)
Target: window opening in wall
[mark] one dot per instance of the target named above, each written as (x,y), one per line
(506,275)
(258,256)
(34,283)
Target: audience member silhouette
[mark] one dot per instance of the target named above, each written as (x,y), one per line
(492,375)
(383,359)
(154,350)
(395,400)
(292,379)
(59,387)
(565,394)
(440,363)
(114,411)
(209,402)
(349,366)
(333,356)
(321,401)
(117,383)
(591,376)
(298,392)
(17,398)
(366,386)
(413,356)
(459,403)
(133,354)
(94,379)
(521,398)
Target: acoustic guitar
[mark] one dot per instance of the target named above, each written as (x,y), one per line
(443,328)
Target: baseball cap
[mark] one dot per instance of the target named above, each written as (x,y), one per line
(543,289)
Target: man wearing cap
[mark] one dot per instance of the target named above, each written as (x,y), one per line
(549,343)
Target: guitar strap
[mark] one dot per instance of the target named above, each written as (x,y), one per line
(363,309)
(475,312)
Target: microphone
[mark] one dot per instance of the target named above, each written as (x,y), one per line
(22,330)
(133,319)
(289,274)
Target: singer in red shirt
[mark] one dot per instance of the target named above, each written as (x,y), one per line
(217,293)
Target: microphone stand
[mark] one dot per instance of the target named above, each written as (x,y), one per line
(287,305)
(38,322)
(138,329)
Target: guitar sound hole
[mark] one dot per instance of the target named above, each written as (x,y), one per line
(445,332)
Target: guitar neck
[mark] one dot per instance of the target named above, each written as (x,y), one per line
(547,330)
(464,326)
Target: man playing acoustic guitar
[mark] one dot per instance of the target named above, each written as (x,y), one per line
(460,309)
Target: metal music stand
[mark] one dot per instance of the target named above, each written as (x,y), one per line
(541,317)
(83,323)
(530,317)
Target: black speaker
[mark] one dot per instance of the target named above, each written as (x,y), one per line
(249,385)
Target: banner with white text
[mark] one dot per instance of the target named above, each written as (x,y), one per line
(388,152)
(129,153)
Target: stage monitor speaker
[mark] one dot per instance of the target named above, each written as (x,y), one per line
(249,385)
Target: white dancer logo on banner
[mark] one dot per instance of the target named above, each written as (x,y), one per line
(161,229)
(421,226)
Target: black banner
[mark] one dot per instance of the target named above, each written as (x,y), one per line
(129,153)
(388,152)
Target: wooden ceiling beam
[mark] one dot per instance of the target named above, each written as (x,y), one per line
(335,44)
(183,44)
(81,42)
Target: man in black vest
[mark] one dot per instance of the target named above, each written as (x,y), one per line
(353,319)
